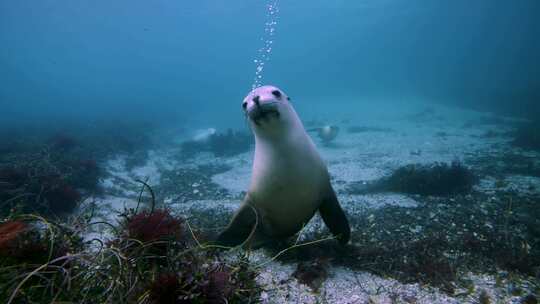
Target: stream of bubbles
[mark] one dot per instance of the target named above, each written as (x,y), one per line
(267,39)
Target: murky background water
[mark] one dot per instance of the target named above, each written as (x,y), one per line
(166,60)
(121,129)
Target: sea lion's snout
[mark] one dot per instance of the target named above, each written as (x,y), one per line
(263,104)
(257,100)
(263,112)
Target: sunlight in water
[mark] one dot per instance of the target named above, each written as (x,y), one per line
(263,53)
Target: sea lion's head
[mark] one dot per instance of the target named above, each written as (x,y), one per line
(268,107)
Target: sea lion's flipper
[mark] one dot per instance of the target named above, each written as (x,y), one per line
(334,217)
(240,228)
(258,240)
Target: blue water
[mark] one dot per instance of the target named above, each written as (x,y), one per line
(98,98)
(193,60)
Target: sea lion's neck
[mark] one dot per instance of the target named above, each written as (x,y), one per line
(291,143)
(293,148)
(282,136)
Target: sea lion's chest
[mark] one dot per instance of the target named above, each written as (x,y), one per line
(289,185)
(286,184)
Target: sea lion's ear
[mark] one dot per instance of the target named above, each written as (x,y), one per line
(240,228)
(334,217)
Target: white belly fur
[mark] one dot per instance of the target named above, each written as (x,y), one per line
(286,183)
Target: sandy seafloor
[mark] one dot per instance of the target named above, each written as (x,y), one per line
(418,135)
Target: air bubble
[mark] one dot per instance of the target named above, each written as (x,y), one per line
(263,54)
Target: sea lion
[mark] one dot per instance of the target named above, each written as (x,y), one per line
(326,133)
(289,181)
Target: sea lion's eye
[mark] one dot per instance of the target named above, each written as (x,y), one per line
(244,105)
(276,93)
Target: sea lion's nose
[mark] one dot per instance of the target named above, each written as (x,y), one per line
(257,100)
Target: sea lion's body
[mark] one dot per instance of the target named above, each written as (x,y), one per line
(289,182)
(291,176)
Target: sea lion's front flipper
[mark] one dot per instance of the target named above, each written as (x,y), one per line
(334,217)
(240,228)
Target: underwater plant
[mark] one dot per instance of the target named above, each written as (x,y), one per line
(213,284)
(61,197)
(151,226)
(165,289)
(34,243)
(62,142)
(85,174)
(36,188)
(435,244)
(170,265)
(220,144)
(529,299)
(49,182)
(12,181)
(191,147)
(433,179)
(35,259)
(12,235)
(158,266)
(527,136)
(105,139)
(230,143)
(484,298)
(312,273)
